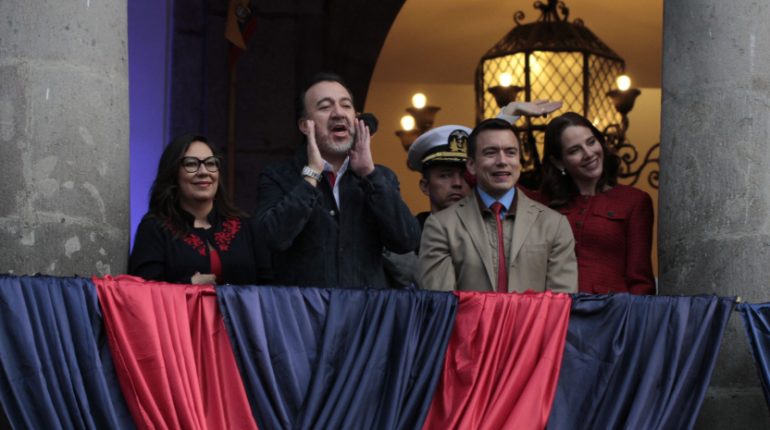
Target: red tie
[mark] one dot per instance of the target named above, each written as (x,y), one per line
(331,177)
(502,273)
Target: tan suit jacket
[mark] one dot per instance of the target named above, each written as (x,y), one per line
(455,253)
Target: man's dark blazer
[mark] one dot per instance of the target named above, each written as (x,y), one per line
(314,243)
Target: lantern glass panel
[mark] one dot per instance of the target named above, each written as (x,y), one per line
(557,76)
(603,74)
(492,69)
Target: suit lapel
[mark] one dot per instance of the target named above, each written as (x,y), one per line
(470,217)
(526,214)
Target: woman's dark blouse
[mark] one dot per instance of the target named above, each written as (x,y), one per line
(159,255)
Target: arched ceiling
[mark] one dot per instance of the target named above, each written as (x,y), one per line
(441,41)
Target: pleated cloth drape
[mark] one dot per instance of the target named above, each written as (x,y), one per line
(172,355)
(338,359)
(756,323)
(503,360)
(57,372)
(164,356)
(638,362)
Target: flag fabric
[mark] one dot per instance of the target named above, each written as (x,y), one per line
(756,323)
(232,27)
(238,29)
(338,358)
(172,355)
(57,371)
(503,360)
(196,357)
(638,362)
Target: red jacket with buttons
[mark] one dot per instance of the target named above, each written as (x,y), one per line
(613,240)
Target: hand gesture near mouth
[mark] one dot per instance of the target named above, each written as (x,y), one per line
(314,159)
(361,153)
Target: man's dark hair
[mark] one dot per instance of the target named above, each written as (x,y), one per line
(429,169)
(488,124)
(318,77)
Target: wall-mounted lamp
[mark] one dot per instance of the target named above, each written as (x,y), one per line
(420,119)
(504,92)
(423,115)
(623,98)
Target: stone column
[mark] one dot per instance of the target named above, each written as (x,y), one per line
(715,180)
(63,137)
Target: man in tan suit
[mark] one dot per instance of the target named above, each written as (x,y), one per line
(496,238)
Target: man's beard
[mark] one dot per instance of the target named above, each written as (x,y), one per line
(329,146)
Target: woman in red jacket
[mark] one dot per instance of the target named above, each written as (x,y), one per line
(612,223)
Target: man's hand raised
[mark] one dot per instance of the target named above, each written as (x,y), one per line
(535,108)
(314,159)
(361,153)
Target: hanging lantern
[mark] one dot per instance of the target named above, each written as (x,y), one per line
(550,59)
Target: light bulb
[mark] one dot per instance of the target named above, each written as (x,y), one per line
(624,82)
(419,100)
(534,65)
(407,122)
(505,79)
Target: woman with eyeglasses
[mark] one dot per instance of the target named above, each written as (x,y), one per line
(193,233)
(612,223)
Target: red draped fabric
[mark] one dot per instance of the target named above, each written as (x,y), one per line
(502,363)
(172,355)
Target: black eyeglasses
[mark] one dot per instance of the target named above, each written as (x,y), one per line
(192,164)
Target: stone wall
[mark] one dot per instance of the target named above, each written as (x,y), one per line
(715,180)
(63,137)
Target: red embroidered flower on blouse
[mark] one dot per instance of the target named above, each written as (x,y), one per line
(229,230)
(196,242)
(191,239)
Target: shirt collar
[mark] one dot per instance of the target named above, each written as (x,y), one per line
(328,167)
(506,200)
(212,217)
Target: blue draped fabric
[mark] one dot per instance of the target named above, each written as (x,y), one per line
(56,368)
(638,362)
(325,359)
(756,322)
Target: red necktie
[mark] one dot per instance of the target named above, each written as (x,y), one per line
(502,273)
(331,177)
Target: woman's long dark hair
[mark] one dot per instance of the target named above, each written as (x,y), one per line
(164,194)
(560,189)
